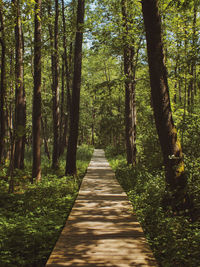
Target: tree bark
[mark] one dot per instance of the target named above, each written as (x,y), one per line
(55,91)
(19,124)
(46,147)
(93,122)
(176,179)
(193,59)
(9,106)
(36,116)
(55,84)
(130,103)
(24,123)
(65,118)
(62,104)
(3,86)
(11,166)
(74,114)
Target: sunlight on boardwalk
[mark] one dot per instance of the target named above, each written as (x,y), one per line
(101,230)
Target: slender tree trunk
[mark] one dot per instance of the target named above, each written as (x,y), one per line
(55,92)
(11,166)
(176,72)
(74,114)
(3,86)
(36,167)
(130,103)
(24,136)
(93,123)
(9,105)
(194,56)
(19,125)
(173,157)
(64,136)
(185,92)
(179,90)
(62,103)
(46,148)
(24,114)
(10,125)
(195,37)
(65,118)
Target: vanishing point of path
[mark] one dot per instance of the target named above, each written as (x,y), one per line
(101,229)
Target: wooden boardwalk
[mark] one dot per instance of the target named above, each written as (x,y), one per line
(101,229)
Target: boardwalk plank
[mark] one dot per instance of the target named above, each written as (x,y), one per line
(101,230)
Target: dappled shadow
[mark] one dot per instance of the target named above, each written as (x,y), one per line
(101,229)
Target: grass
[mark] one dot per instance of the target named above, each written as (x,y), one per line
(32,218)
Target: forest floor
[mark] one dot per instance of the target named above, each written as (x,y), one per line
(32,218)
(102,229)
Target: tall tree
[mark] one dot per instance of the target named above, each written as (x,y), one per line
(65,73)
(193,59)
(171,148)
(19,124)
(36,115)
(74,113)
(3,86)
(55,92)
(129,72)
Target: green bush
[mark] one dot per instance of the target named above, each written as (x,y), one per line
(112,151)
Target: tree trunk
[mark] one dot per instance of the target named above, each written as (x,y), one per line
(55,92)
(130,104)
(36,116)
(93,122)
(55,84)
(3,87)
(24,136)
(11,166)
(176,179)
(19,125)
(192,82)
(62,103)
(176,72)
(65,118)
(10,125)
(46,148)
(74,114)
(9,106)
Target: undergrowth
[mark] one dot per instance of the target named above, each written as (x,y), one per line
(174,239)
(32,218)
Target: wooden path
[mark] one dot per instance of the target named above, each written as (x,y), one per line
(101,229)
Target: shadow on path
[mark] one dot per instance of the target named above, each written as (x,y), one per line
(102,230)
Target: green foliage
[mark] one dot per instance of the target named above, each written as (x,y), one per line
(112,151)
(84,155)
(30,222)
(173,239)
(102,98)
(189,127)
(32,218)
